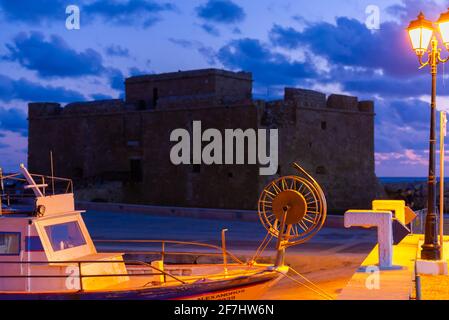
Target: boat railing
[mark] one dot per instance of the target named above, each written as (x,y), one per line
(79,264)
(49,185)
(163,252)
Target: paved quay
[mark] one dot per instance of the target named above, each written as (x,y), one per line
(395,284)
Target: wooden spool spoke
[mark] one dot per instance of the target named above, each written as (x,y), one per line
(305,205)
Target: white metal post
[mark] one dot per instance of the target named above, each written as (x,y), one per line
(443,122)
(29,257)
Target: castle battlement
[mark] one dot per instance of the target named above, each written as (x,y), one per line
(194,88)
(189,74)
(42,109)
(197,89)
(315,99)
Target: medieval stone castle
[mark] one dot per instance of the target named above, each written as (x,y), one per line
(126,143)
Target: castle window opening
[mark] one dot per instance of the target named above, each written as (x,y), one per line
(135,170)
(142,105)
(155,97)
(321,170)
(133,143)
(323,125)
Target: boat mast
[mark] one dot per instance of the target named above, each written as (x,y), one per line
(280,246)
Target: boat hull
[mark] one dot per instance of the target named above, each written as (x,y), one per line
(241,288)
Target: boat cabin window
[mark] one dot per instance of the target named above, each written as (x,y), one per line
(9,243)
(65,235)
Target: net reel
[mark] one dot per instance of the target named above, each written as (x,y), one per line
(292,209)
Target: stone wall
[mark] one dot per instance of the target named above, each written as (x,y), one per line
(100,142)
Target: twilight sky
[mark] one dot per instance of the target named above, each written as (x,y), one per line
(322,45)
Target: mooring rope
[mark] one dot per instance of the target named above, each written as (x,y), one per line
(318,290)
(312,283)
(262,246)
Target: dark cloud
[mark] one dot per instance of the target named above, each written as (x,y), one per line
(236,31)
(34,11)
(26,90)
(286,37)
(117,50)
(116,77)
(134,71)
(144,12)
(408,10)
(268,67)
(183,43)
(53,57)
(367,82)
(13,119)
(373,64)
(401,125)
(207,52)
(349,42)
(221,11)
(412,112)
(101,96)
(390,87)
(210,29)
(116,80)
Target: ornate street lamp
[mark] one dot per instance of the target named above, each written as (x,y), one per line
(443,26)
(421,33)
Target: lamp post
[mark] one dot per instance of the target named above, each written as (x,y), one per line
(421,34)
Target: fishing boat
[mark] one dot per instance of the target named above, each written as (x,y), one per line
(46,251)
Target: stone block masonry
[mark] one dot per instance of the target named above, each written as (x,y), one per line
(126,143)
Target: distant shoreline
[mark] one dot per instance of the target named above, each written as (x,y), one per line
(386,180)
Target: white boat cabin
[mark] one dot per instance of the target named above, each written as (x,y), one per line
(47,249)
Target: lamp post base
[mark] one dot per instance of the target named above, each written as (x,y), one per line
(430,252)
(431,248)
(437,267)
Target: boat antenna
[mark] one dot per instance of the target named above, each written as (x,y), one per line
(52,172)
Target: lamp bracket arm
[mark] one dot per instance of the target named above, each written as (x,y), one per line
(423,64)
(442,60)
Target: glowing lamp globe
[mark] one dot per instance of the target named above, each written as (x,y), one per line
(420,32)
(443,25)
